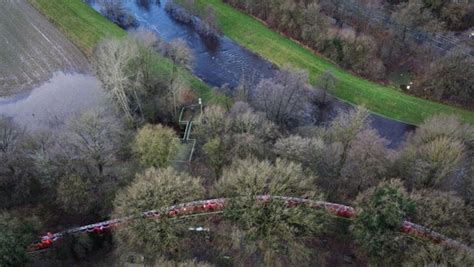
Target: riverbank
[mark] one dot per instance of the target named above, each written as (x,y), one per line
(383,100)
(86,28)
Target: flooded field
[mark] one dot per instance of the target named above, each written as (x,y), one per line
(32,49)
(50,104)
(44,78)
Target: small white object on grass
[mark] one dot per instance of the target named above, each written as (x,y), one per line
(198,229)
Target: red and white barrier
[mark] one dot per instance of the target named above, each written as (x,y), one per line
(218,204)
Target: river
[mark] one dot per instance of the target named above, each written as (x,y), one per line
(226,62)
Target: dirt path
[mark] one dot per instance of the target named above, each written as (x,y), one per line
(32,49)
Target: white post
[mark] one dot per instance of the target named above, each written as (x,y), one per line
(200,104)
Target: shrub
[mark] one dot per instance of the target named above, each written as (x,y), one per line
(73,195)
(16,235)
(156,145)
(273,233)
(450,78)
(154,189)
(381,212)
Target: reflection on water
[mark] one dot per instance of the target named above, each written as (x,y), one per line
(226,62)
(51,103)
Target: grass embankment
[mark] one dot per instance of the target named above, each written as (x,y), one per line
(86,28)
(384,100)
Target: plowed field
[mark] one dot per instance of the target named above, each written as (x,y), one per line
(32,49)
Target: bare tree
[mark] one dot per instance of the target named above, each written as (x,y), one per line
(339,137)
(48,163)
(307,151)
(93,139)
(434,162)
(347,125)
(112,61)
(244,119)
(237,134)
(10,144)
(147,38)
(212,122)
(368,162)
(360,54)
(315,25)
(179,52)
(207,25)
(450,78)
(444,126)
(143,75)
(413,13)
(285,99)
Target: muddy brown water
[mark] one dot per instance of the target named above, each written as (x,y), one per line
(44,78)
(50,104)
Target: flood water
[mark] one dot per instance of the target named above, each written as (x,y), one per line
(51,103)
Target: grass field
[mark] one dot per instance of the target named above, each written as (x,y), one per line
(383,100)
(86,28)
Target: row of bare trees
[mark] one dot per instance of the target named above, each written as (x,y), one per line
(373,50)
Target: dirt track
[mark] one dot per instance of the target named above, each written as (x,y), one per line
(32,49)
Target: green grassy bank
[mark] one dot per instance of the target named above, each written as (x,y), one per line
(386,101)
(86,28)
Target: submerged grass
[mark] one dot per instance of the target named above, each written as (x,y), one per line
(86,28)
(384,100)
